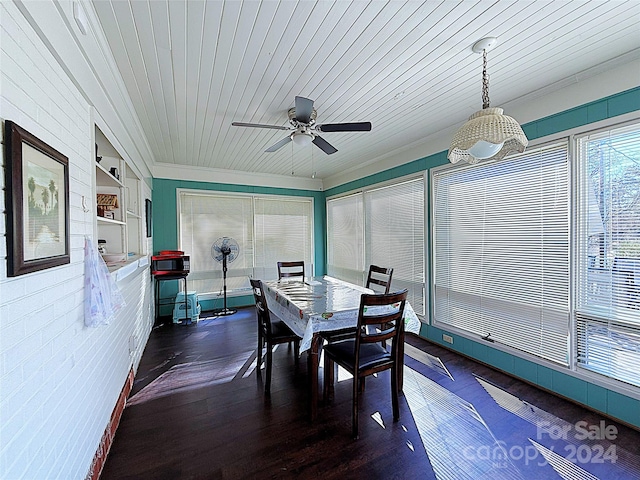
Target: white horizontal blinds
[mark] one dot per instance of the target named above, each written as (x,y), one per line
(283,233)
(345,242)
(394,236)
(203,219)
(501,251)
(608,286)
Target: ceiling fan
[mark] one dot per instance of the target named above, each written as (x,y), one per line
(304,129)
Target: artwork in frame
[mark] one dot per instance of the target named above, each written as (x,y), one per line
(147,213)
(37,203)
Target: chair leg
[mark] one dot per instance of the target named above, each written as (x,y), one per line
(296,351)
(356,389)
(394,392)
(329,375)
(267,386)
(259,353)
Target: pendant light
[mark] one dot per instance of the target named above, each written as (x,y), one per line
(488,134)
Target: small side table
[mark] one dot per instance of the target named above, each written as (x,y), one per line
(158,300)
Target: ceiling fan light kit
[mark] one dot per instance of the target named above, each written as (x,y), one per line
(302,123)
(488,134)
(302,138)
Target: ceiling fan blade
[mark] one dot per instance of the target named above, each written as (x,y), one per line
(304,109)
(325,146)
(259,125)
(276,146)
(345,127)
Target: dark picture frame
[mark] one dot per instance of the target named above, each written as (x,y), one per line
(37,203)
(147,217)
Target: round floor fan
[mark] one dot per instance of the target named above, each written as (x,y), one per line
(225,250)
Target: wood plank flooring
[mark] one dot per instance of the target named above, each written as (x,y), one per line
(198,411)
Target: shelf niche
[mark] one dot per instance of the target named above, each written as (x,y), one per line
(117,202)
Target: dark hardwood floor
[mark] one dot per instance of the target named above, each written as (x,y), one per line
(198,411)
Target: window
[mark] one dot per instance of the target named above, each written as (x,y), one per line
(345,238)
(608,271)
(501,251)
(268,229)
(382,226)
(283,232)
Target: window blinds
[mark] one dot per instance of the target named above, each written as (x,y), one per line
(608,286)
(394,236)
(501,251)
(284,233)
(382,226)
(345,238)
(203,219)
(267,229)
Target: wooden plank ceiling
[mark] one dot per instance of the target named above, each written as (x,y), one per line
(193,67)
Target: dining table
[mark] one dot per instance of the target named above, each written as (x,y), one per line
(312,305)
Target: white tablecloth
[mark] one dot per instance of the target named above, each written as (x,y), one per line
(321,304)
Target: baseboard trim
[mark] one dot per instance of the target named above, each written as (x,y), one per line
(100,456)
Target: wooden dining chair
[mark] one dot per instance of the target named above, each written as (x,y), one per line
(290,269)
(364,355)
(270,333)
(379,276)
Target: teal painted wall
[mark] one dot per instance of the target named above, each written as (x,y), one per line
(604,400)
(165,227)
(599,398)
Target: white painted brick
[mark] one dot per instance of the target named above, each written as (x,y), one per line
(13,379)
(12,422)
(56,367)
(33,368)
(21,306)
(12,290)
(17,84)
(15,401)
(17,462)
(36,320)
(10,112)
(21,351)
(12,334)
(19,96)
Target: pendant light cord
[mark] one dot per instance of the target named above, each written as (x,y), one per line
(485,81)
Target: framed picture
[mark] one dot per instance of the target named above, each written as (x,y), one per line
(147,216)
(37,203)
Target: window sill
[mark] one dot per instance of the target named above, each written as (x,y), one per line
(121,270)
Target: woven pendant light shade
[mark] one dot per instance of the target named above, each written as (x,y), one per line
(488,134)
(490,125)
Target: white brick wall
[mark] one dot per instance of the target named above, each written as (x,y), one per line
(59,381)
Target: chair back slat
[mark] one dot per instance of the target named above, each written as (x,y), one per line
(290,269)
(379,276)
(390,319)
